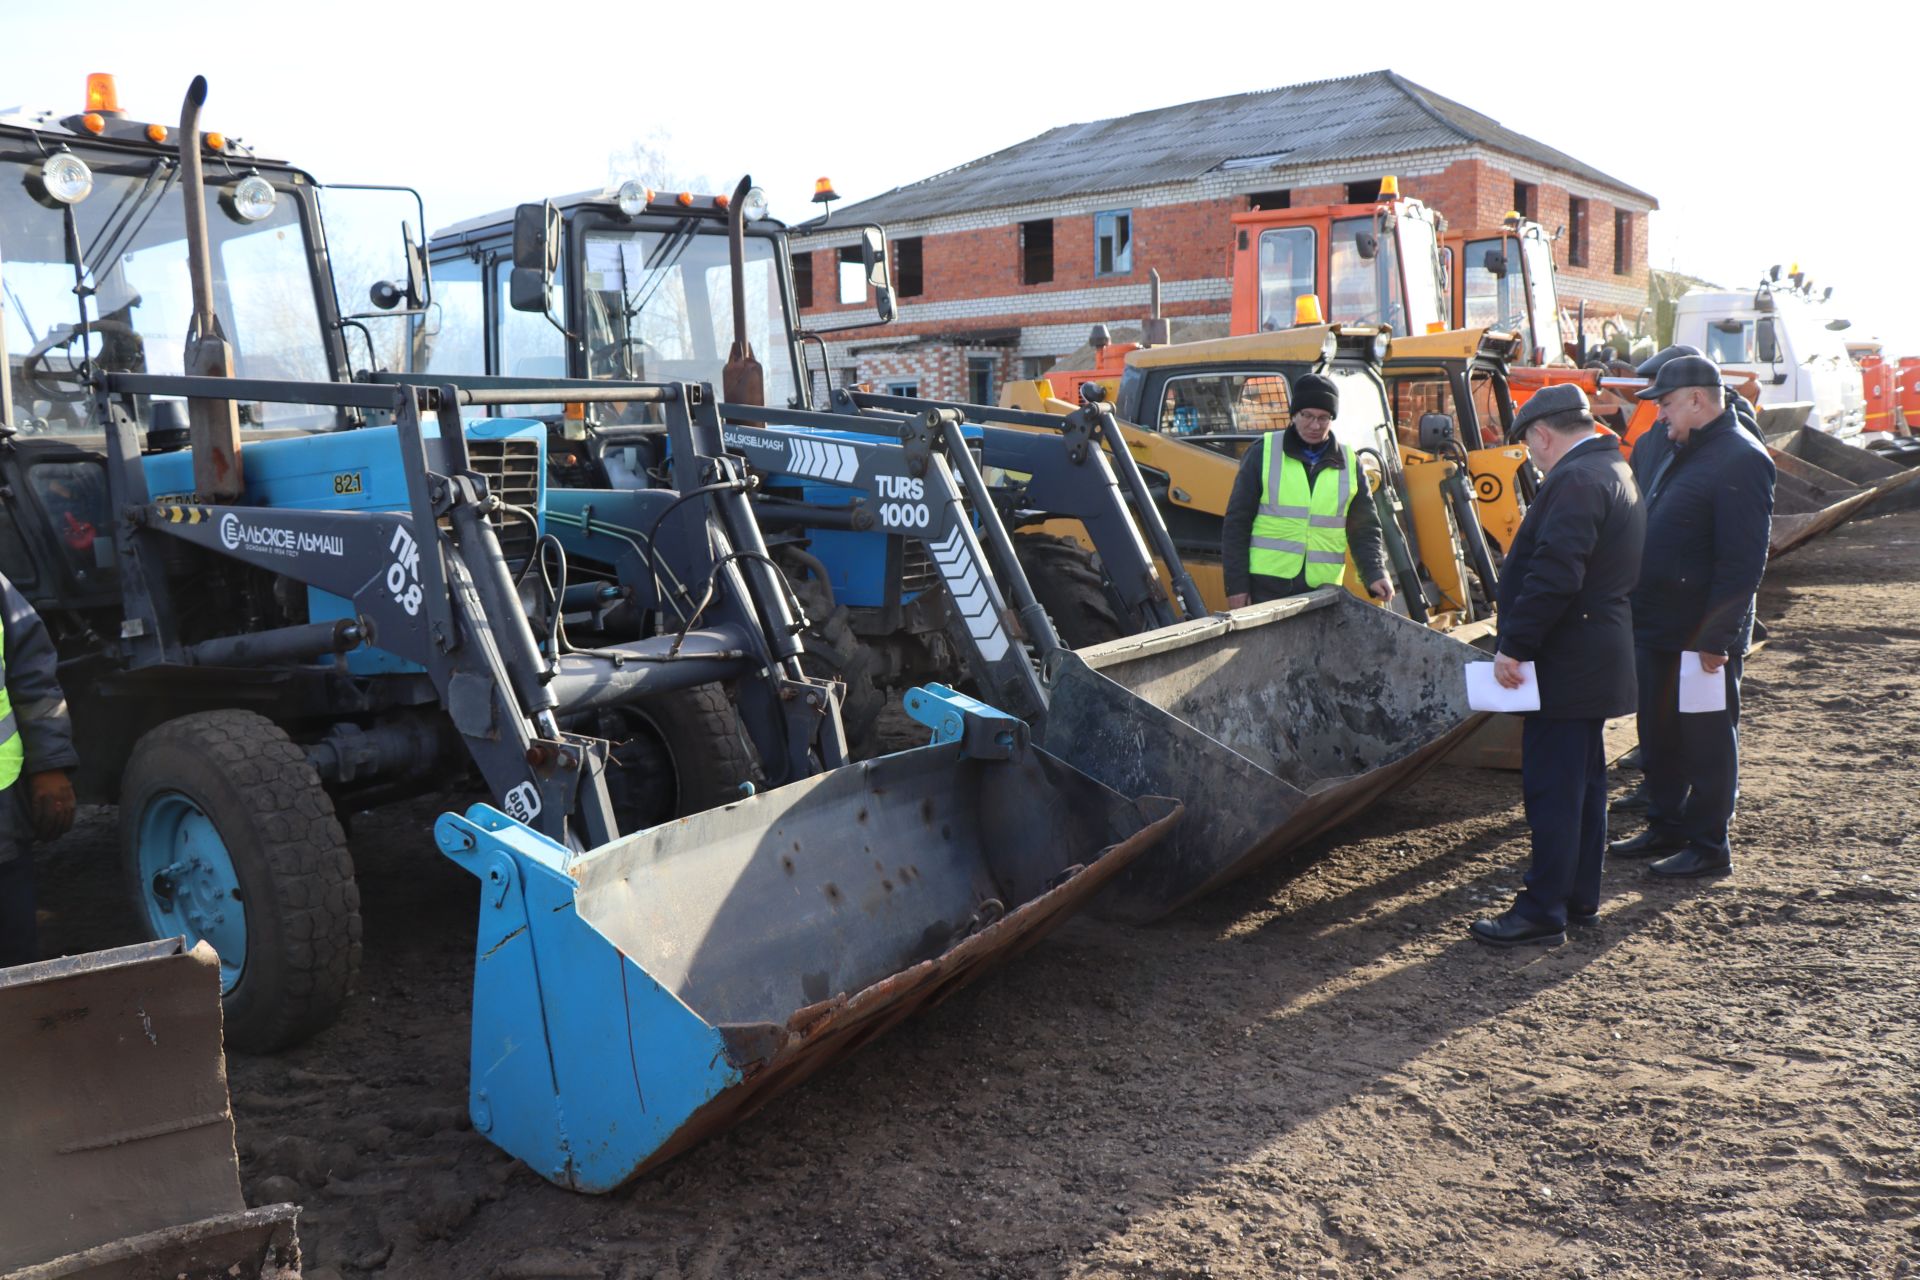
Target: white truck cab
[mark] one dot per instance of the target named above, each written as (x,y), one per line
(1787,339)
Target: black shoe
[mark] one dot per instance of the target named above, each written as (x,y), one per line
(1691,864)
(1511,929)
(1635,801)
(1582,918)
(1648,844)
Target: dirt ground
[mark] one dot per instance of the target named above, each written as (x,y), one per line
(1312,1073)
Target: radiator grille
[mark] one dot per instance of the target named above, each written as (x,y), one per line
(916,568)
(512,469)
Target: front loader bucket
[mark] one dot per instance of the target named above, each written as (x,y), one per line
(1893,484)
(117,1140)
(634,999)
(1272,724)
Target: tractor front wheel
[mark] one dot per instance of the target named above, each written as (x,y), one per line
(228,837)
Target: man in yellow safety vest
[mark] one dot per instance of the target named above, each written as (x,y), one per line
(36,750)
(1299,505)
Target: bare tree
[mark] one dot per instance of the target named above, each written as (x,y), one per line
(652,161)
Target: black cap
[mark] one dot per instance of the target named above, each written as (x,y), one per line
(1316,391)
(1559,397)
(1682,371)
(1651,366)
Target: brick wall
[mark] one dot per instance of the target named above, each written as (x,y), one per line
(972,263)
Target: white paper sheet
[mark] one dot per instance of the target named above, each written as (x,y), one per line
(1700,691)
(1484,693)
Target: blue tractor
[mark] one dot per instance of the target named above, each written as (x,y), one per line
(632,283)
(285,591)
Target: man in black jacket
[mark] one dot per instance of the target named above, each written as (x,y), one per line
(1709,496)
(36,753)
(1264,520)
(1563,607)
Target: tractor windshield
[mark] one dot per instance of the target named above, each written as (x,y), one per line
(1543,301)
(132,273)
(659,307)
(1493,285)
(1427,305)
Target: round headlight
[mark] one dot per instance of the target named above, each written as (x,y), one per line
(1329,347)
(254,197)
(1380,344)
(632,198)
(66,177)
(754,207)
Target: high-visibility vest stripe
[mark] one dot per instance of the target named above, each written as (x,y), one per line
(13,752)
(1301,524)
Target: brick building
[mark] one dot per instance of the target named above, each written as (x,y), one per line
(1004,263)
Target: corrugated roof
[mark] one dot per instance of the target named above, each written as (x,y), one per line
(1375,114)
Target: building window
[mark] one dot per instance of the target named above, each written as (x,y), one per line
(906,266)
(1035,367)
(1526,201)
(1576,232)
(1113,243)
(850,375)
(1270,200)
(1363,192)
(903,387)
(979,379)
(1622,243)
(853,277)
(1036,251)
(803,279)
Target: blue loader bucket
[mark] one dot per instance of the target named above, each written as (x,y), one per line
(636,998)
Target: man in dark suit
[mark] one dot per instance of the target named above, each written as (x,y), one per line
(1709,497)
(1563,607)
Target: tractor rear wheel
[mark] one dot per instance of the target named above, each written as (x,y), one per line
(228,837)
(835,653)
(674,754)
(1067,581)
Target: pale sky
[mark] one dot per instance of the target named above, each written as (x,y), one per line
(1769,132)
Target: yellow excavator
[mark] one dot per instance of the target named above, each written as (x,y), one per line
(1189,411)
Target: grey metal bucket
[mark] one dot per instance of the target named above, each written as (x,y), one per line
(635,998)
(1272,723)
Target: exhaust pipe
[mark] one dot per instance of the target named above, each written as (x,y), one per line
(213,425)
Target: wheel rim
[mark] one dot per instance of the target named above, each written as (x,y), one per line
(188,884)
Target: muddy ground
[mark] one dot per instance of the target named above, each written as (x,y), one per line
(1312,1073)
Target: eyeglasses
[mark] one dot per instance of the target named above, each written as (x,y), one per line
(1313,418)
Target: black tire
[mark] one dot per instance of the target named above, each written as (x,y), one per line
(675,754)
(835,653)
(1067,582)
(289,858)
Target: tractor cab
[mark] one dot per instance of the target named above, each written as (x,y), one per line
(93,259)
(94,280)
(627,284)
(1503,280)
(1372,263)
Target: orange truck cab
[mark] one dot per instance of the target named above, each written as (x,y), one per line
(1368,264)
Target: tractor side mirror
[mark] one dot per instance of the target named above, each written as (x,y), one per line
(536,256)
(1764,346)
(1437,432)
(1368,245)
(1496,263)
(873,260)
